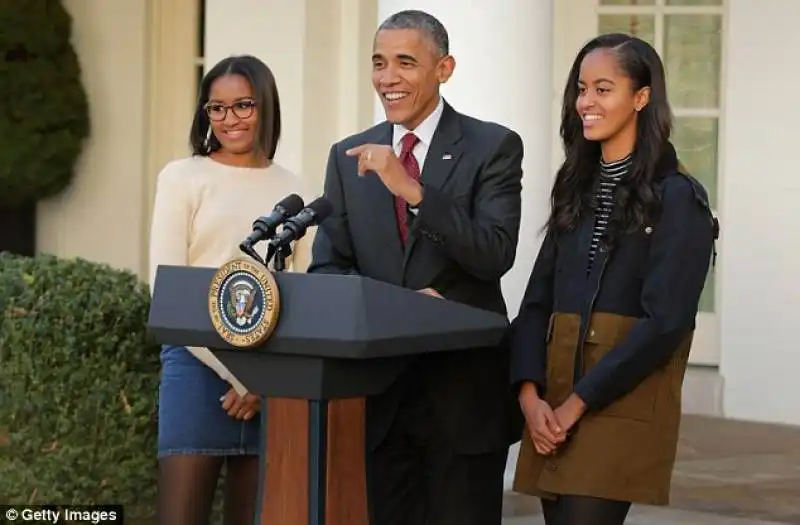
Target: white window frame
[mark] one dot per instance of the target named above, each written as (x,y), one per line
(172,90)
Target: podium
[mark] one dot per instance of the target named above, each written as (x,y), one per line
(338,340)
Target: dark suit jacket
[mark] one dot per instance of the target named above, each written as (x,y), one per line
(461,242)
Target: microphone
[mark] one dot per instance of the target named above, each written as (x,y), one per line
(264,227)
(296,227)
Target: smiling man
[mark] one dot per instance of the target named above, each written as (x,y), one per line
(430,200)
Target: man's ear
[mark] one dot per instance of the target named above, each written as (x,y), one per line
(444,70)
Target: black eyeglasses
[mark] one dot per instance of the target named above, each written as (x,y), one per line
(218,112)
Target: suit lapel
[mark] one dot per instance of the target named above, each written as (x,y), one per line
(383,204)
(444,151)
(443,155)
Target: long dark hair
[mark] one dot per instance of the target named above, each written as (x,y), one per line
(268,105)
(636,201)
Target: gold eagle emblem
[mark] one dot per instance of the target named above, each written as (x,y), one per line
(243,303)
(243,295)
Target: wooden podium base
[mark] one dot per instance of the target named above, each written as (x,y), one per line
(315,468)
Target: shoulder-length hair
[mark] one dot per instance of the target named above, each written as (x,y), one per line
(265,93)
(636,201)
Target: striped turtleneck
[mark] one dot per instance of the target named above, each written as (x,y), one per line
(610,175)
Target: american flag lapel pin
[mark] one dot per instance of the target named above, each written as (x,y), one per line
(447,156)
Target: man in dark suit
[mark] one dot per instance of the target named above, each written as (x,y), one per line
(438,439)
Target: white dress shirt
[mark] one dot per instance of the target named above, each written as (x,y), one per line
(424,132)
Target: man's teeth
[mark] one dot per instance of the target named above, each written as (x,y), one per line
(394,96)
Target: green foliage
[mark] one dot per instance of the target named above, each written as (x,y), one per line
(44,116)
(78,386)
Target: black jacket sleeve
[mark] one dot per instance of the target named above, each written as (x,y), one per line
(529,331)
(484,244)
(679,258)
(332,250)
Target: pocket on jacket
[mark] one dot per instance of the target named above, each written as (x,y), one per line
(638,404)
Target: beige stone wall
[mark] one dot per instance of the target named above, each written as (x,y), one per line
(100,217)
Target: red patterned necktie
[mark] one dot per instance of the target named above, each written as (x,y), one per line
(409,162)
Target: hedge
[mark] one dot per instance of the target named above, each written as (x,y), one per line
(78,386)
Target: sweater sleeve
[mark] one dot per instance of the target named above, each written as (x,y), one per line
(170,226)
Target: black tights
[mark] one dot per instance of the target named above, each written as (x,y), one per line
(187,485)
(584,510)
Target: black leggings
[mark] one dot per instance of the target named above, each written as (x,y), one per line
(584,510)
(187,486)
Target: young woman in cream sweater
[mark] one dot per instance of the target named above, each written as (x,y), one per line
(205,205)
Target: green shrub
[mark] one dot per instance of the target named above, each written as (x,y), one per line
(78,386)
(44,115)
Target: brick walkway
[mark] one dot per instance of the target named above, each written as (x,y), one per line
(727,473)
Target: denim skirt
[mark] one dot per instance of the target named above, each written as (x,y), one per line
(191,419)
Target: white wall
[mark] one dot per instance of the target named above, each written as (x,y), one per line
(100,216)
(760,249)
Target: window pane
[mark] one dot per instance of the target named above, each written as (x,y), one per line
(627,2)
(642,26)
(695,139)
(692,56)
(694,2)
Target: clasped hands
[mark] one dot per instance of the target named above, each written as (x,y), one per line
(548,428)
(240,407)
(380,159)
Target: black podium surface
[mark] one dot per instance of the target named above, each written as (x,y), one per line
(337,336)
(338,340)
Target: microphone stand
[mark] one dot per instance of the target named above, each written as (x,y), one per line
(249,250)
(282,253)
(279,253)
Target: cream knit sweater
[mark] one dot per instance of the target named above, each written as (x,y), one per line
(203,209)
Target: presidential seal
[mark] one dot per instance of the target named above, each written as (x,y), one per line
(243,302)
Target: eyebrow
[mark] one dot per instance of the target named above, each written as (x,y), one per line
(238,99)
(598,81)
(402,56)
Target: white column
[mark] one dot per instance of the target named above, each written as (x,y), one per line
(503,51)
(759,290)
